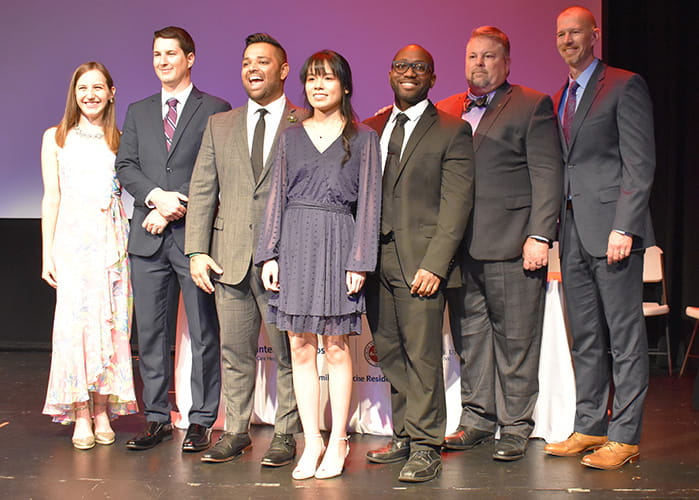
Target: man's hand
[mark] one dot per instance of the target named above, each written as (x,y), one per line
(154,223)
(199,267)
(425,283)
(270,275)
(619,247)
(535,254)
(355,281)
(169,204)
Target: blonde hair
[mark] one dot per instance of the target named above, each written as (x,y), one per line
(71,115)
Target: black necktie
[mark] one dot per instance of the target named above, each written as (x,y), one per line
(258,144)
(395,145)
(478,102)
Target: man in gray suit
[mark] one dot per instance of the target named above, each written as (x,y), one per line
(227,200)
(426,200)
(496,316)
(156,156)
(606,130)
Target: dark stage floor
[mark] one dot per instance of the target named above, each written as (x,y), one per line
(37,460)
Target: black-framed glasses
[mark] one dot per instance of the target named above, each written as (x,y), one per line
(420,68)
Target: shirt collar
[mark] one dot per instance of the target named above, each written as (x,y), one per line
(413,112)
(584,78)
(275,107)
(181,96)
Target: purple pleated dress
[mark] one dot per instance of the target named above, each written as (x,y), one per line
(322,219)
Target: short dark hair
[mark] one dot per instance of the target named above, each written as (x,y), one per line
(495,34)
(179,34)
(266,38)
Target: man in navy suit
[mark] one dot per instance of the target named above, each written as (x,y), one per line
(606,133)
(159,146)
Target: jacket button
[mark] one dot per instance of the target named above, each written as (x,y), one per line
(254,197)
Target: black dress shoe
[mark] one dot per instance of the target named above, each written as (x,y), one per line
(395,451)
(510,447)
(198,438)
(423,465)
(466,438)
(228,447)
(281,451)
(154,433)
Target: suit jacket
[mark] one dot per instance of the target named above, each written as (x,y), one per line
(518,172)
(226,205)
(610,161)
(143,162)
(433,194)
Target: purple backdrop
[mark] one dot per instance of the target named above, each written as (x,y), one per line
(44,41)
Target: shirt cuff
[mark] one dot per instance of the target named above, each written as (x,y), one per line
(149,203)
(543,239)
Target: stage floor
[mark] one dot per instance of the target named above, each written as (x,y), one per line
(37,460)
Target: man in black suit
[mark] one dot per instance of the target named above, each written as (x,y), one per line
(496,317)
(606,133)
(160,142)
(426,200)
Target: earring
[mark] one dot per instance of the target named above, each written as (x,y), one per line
(111,101)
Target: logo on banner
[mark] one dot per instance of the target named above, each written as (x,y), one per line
(370,354)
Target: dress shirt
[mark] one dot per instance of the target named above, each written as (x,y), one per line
(583,79)
(181,97)
(275,110)
(413,113)
(473,117)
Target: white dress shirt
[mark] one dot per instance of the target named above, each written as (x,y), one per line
(413,113)
(275,110)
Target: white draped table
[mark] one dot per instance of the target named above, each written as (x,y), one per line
(370,410)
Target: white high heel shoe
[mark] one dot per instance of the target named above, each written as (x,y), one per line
(325,472)
(307,469)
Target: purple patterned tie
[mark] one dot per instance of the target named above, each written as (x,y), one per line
(169,121)
(569,111)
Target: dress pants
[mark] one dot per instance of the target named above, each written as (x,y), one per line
(240,309)
(408,339)
(604,304)
(153,279)
(496,321)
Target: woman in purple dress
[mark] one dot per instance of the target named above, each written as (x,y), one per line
(318,240)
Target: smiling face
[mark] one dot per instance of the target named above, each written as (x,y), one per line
(410,87)
(487,65)
(92,95)
(171,64)
(324,90)
(576,35)
(263,73)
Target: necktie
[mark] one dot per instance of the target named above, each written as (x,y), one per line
(478,102)
(395,145)
(258,144)
(569,111)
(170,121)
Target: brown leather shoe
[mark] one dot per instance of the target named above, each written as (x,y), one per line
(576,444)
(613,455)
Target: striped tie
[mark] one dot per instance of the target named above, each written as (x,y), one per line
(170,121)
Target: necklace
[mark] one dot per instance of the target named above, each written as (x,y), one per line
(321,131)
(88,135)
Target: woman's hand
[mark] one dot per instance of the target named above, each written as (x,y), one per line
(270,275)
(48,273)
(355,281)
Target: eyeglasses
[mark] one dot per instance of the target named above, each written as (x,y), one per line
(420,68)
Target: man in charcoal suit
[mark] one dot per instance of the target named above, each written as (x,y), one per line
(606,132)
(160,141)
(496,316)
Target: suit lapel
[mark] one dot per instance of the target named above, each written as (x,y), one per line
(428,118)
(239,149)
(594,87)
(190,108)
(155,115)
(500,100)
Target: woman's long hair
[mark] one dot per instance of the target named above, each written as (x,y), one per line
(339,66)
(71,115)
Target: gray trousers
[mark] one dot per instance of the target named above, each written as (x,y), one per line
(605,312)
(496,320)
(240,309)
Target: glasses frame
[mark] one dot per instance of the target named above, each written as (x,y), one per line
(414,66)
